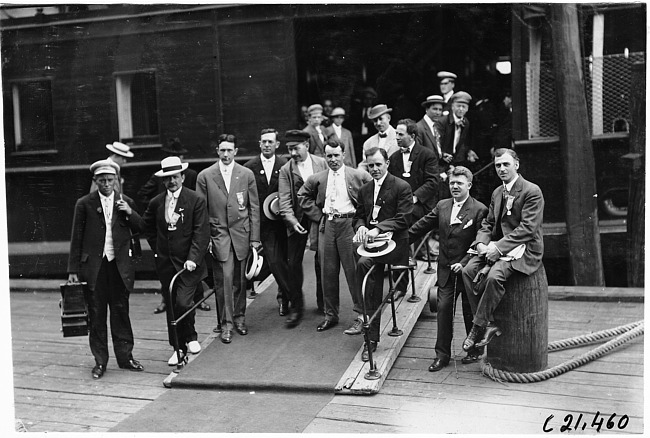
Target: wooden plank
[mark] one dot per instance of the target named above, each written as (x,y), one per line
(81,401)
(107,386)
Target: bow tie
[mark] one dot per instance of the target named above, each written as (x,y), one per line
(267,160)
(406,151)
(460,123)
(383,135)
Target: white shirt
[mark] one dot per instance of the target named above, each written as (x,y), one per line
(508,187)
(226,173)
(267,164)
(456,132)
(320,134)
(378,187)
(448,95)
(455,210)
(337,129)
(337,199)
(431,124)
(405,158)
(170,201)
(107,208)
(306,168)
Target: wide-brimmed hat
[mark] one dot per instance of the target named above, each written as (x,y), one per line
(460,97)
(295,136)
(174,147)
(378,110)
(376,249)
(338,111)
(120,149)
(171,166)
(253,264)
(271,206)
(434,98)
(446,75)
(104,166)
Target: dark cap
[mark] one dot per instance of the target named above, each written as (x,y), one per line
(295,136)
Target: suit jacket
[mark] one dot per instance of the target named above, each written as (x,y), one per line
(264,189)
(522,225)
(350,159)
(455,239)
(316,146)
(89,232)
(428,138)
(312,194)
(230,225)
(447,129)
(289,184)
(188,242)
(391,143)
(155,185)
(424,175)
(396,200)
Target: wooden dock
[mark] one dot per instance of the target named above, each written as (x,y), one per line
(52,381)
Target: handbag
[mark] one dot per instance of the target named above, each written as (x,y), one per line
(74,309)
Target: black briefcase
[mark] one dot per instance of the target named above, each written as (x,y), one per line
(74,309)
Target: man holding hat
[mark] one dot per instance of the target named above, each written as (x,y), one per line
(317,133)
(338,132)
(119,153)
(292,177)
(266,168)
(177,230)
(100,255)
(386,206)
(385,137)
(234,215)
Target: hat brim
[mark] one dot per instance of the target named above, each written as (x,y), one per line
(251,264)
(268,206)
(426,103)
(361,250)
(162,173)
(115,150)
(373,116)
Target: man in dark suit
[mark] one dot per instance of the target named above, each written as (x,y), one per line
(428,135)
(447,85)
(317,133)
(266,168)
(100,254)
(338,132)
(360,124)
(458,220)
(234,215)
(330,198)
(178,233)
(510,237)
(386,206)
(454,137)
(292,177)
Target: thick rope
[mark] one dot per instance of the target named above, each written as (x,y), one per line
(591,337)
(630,331)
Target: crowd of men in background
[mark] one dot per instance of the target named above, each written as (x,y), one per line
(360,198)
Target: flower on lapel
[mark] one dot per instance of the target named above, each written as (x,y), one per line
(99,210)
(509,201)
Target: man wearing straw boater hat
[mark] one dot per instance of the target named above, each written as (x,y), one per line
(177,230)
(386,206)
(385,137)
(100,255)
(119,153)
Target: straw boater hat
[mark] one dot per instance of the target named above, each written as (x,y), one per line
(120,149)
(338,111)
(271,206)
(171,166)
(378,110)
(253,264)
(104,166)
(434,98)
(446,75)
(382,245)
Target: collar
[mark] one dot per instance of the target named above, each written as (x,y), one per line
(307,160)
(456,119)
(410,149)
(508,186)
(428,119)
(460,203)
(175,194)
(228,168)
(108,198)
(341,171)
(267,160)
(381,180)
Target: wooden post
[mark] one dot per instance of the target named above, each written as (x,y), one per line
(636,202)
(522,314)
(577,155)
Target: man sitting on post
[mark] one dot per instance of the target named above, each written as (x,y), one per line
(510,239)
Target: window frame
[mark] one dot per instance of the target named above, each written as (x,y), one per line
(140,141)
(45,147)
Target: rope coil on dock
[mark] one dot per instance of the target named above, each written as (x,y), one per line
(623,334)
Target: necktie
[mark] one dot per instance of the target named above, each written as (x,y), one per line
(171,208)
(383,135)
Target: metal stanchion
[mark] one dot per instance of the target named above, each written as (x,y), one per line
(372,374)
(391,291)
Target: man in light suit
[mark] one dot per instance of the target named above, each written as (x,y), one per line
(101,256)
(458,220)
(330,198)
(292,177)
(338,132)
(234,215)
(178,233)
(385,137)
(514,219)
(266,168)
(317,133)
(386,205)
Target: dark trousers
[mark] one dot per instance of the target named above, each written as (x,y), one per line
(483,306)
(275,253)
(110,291)
(230,289)
(296,244)
(447,297)
(374,293)
(335,248)
(183,300)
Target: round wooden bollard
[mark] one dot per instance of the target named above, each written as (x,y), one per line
(522,314)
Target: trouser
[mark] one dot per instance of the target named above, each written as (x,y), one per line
(275,253)
(335,248)
(483,306)
(110,291)
(296,244)
(230,288)
(183,300)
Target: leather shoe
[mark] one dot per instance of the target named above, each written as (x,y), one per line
(98,371)
(293,319)
(438,364)
(475,334)
(241,328)
(490,332)
(326,325)
(355,328)
(132,365)
(470,358)
(205,307)
(226,336)
(282,309)
(160,309)
(364,355)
